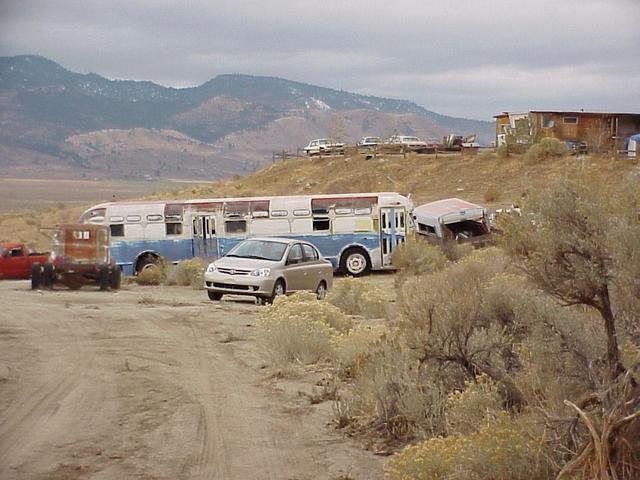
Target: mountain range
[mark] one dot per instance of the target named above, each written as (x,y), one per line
(54,122)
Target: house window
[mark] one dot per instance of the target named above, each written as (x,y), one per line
(547,121)
(570,120)
(117,230)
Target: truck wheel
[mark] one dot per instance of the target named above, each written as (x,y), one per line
(103,277)
(115,278)
(47,275)
(36,276)
(355,262)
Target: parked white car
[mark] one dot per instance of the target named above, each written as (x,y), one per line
(411,143)
(321,146)
(369,142)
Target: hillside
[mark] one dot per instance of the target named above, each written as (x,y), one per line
(44,108)
(427,178)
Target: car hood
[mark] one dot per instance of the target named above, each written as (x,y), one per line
(243,263)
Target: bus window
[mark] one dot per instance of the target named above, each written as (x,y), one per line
(174,229)
(235,226)
(117,230)
(321,224)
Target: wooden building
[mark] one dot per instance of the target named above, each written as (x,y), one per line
(600,131)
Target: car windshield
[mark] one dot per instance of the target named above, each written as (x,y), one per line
(259,249)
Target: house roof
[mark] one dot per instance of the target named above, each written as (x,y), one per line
(568,112)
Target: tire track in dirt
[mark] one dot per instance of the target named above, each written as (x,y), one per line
(24,419)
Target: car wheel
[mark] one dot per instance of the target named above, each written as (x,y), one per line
(47,275)
(278,289)
(214,296)
(321,291)
(355,262)
(115,278)
(36,276)
(103,277)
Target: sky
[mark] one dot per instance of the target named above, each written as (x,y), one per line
(465,58)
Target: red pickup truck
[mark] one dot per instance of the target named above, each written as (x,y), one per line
(16,261)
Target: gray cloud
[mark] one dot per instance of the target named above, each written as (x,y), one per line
(471,58)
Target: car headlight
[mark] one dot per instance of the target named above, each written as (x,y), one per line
(261,272)
(211,268)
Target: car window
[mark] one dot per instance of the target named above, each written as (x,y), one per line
(310,253)
(259,250)
(295,254)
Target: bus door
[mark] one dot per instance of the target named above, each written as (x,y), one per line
(393,230)
(205,240)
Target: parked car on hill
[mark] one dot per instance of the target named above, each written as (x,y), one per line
(268,267)
(324,146)
(16,260)
(409,143)
(369,142)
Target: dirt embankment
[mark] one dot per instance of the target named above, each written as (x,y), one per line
(153,383)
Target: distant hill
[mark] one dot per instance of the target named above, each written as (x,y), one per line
(45,109)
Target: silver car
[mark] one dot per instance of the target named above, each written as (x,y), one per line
(267,267)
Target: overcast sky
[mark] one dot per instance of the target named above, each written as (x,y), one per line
(469,58)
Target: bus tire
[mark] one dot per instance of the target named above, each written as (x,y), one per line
(36,276)
(148,261)
(355,261)
(103,277)
(115,278)
(47,275)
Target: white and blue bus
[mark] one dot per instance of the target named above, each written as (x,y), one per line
(357,232)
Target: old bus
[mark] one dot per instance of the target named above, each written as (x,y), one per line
(357,232)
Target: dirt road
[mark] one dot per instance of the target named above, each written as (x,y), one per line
(153,383)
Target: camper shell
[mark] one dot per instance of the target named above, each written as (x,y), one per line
(452,219)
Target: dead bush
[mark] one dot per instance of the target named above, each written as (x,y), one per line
(354,296)
(468,409)
(188,273)
(492,194)
(352,348)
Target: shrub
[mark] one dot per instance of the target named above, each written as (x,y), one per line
(503,448)
(391,396)
(468,409)
(152,276)
(547,148)
(352,348)
(357,297)
(492,194)
(417,256)
(187,273)
(298,330)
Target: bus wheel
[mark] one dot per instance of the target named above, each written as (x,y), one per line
(36,276)
(355,262)
(147,262)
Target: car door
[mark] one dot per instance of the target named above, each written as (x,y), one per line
(294,270)
(314,267)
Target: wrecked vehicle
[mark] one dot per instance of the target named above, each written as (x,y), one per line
(80,256)
(453,219)
(16,260)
